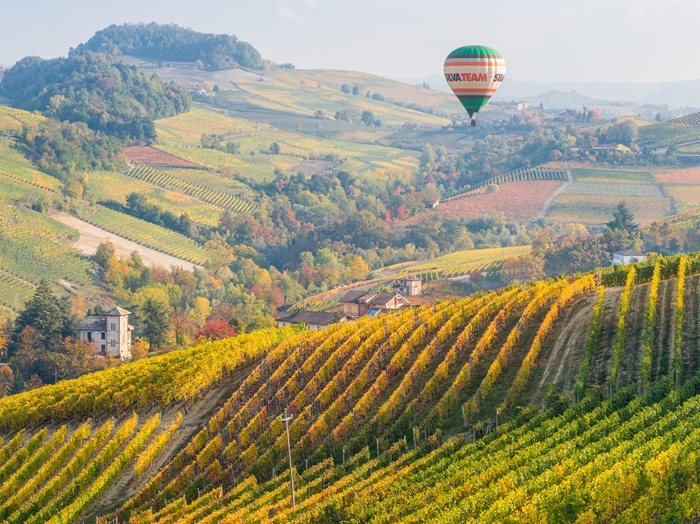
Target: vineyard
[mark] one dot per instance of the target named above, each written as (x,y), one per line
(692,119)
(115,186)
(146,234)
(212,196)
(32,248)
(568,207)
(390,416)
(522,200)
(520,175)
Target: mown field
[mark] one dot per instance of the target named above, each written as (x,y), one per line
(447,411)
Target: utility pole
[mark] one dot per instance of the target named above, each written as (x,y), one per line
(286,418)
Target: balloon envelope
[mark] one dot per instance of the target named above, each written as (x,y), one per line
(474,73)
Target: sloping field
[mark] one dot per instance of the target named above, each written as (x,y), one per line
(514,200)
(35,247)
(155,157)
(590,209)
(92,236)
(374,407)
(146,234)
(309,91)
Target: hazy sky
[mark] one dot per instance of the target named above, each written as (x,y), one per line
(542,40)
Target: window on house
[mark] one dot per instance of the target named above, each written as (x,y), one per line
(102,335)
(114,343)
(103,347)
(113,326)
(89,336)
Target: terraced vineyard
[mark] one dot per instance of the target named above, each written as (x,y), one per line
(201,192)
(146,234)
(372,402)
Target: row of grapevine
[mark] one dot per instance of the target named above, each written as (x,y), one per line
(645,368)
(582,381)
(206,194)
(538,297)
(624,459)
(680,301)
(177,376)
(619,342)
(682,138)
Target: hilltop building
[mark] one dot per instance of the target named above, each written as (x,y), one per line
(110,332)
(312,319)
(360,303)
(410,286)
(628,256)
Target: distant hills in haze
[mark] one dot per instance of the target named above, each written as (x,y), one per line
(678,94)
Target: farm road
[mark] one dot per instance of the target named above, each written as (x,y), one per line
(92,236)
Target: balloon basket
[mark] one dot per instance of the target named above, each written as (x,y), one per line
(473,122)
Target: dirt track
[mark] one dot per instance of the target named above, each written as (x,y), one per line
(563,362)
(92,236)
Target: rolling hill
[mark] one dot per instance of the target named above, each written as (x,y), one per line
(389,415)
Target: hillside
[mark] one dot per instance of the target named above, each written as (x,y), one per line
(372,400)
(174,43)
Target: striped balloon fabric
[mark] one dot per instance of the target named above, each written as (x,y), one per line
(474,73)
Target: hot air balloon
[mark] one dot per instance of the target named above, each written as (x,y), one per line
(474,73)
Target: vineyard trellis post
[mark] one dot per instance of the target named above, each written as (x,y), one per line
(286,418)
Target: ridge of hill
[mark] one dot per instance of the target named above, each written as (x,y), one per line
(362,394)
(172,42)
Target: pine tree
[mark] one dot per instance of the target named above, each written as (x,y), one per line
(154,322)
(46,313)
(623,219)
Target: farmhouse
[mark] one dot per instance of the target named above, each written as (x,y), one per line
(109,332)
(410,286)
(629,256)
(312,319)
(359,303)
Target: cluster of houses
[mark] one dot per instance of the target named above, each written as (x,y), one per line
(357,304)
